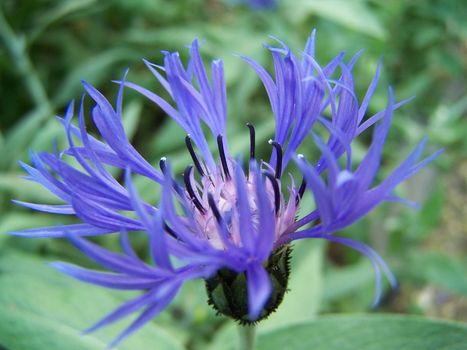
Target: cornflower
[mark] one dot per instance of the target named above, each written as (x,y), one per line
(227,222)
(262,4)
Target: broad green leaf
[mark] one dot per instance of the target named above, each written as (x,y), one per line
(345,281)
(226,338)
(367,332)
(42,309)
(303,300)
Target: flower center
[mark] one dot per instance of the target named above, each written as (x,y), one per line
(215,198)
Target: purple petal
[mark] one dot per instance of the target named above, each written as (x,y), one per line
(318,188)
(61,231)
(123,310)
(105,279)
(266,217)
(103,217)
(56,209)
(259,290)
(153,225)
(147,315)
(110,260)
(244,212)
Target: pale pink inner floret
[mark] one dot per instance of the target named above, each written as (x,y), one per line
(224,193)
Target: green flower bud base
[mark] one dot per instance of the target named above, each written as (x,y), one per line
(227,289)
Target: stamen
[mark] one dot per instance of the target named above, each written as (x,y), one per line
(214,209)
(176,185)
(223,230)
(191,192)
(162,164)
(252,140)
(275,187)
(170,231)
(278,149)
(220,145)
(301,191)
(189,145)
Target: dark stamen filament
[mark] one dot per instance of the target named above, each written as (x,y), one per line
(252,140)
(225,234)
(176,186)
(278,149)
(191,192)
(275,187)
(214,209)
(170,231)
(220,145)
(301,191)
(189,146)
(162,164)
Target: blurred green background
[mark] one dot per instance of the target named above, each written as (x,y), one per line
(48,46)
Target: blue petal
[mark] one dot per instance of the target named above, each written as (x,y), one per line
(259,290)
(244,212)
(56,209)
(110,260)
(150,312)
(105,279)
(153,225)
(124,310)
(266,217)
(61,231)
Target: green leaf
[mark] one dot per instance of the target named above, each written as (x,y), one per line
(445,271)
(303,301)
(18,138)
(14,220)
(55,14)
(51,133)
(42,309)
(341,282)
(226,338)
(356,15)
(24,190)
(367,332)
(131,116)
(95,70)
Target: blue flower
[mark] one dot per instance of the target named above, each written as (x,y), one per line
(225,221)
(262,4)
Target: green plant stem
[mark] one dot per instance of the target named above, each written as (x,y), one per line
(247,337)
(16,47)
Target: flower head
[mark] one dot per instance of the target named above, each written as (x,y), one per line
(257,4)
(226,221)
(262,4)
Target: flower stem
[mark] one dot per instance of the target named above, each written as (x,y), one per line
(247,337)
